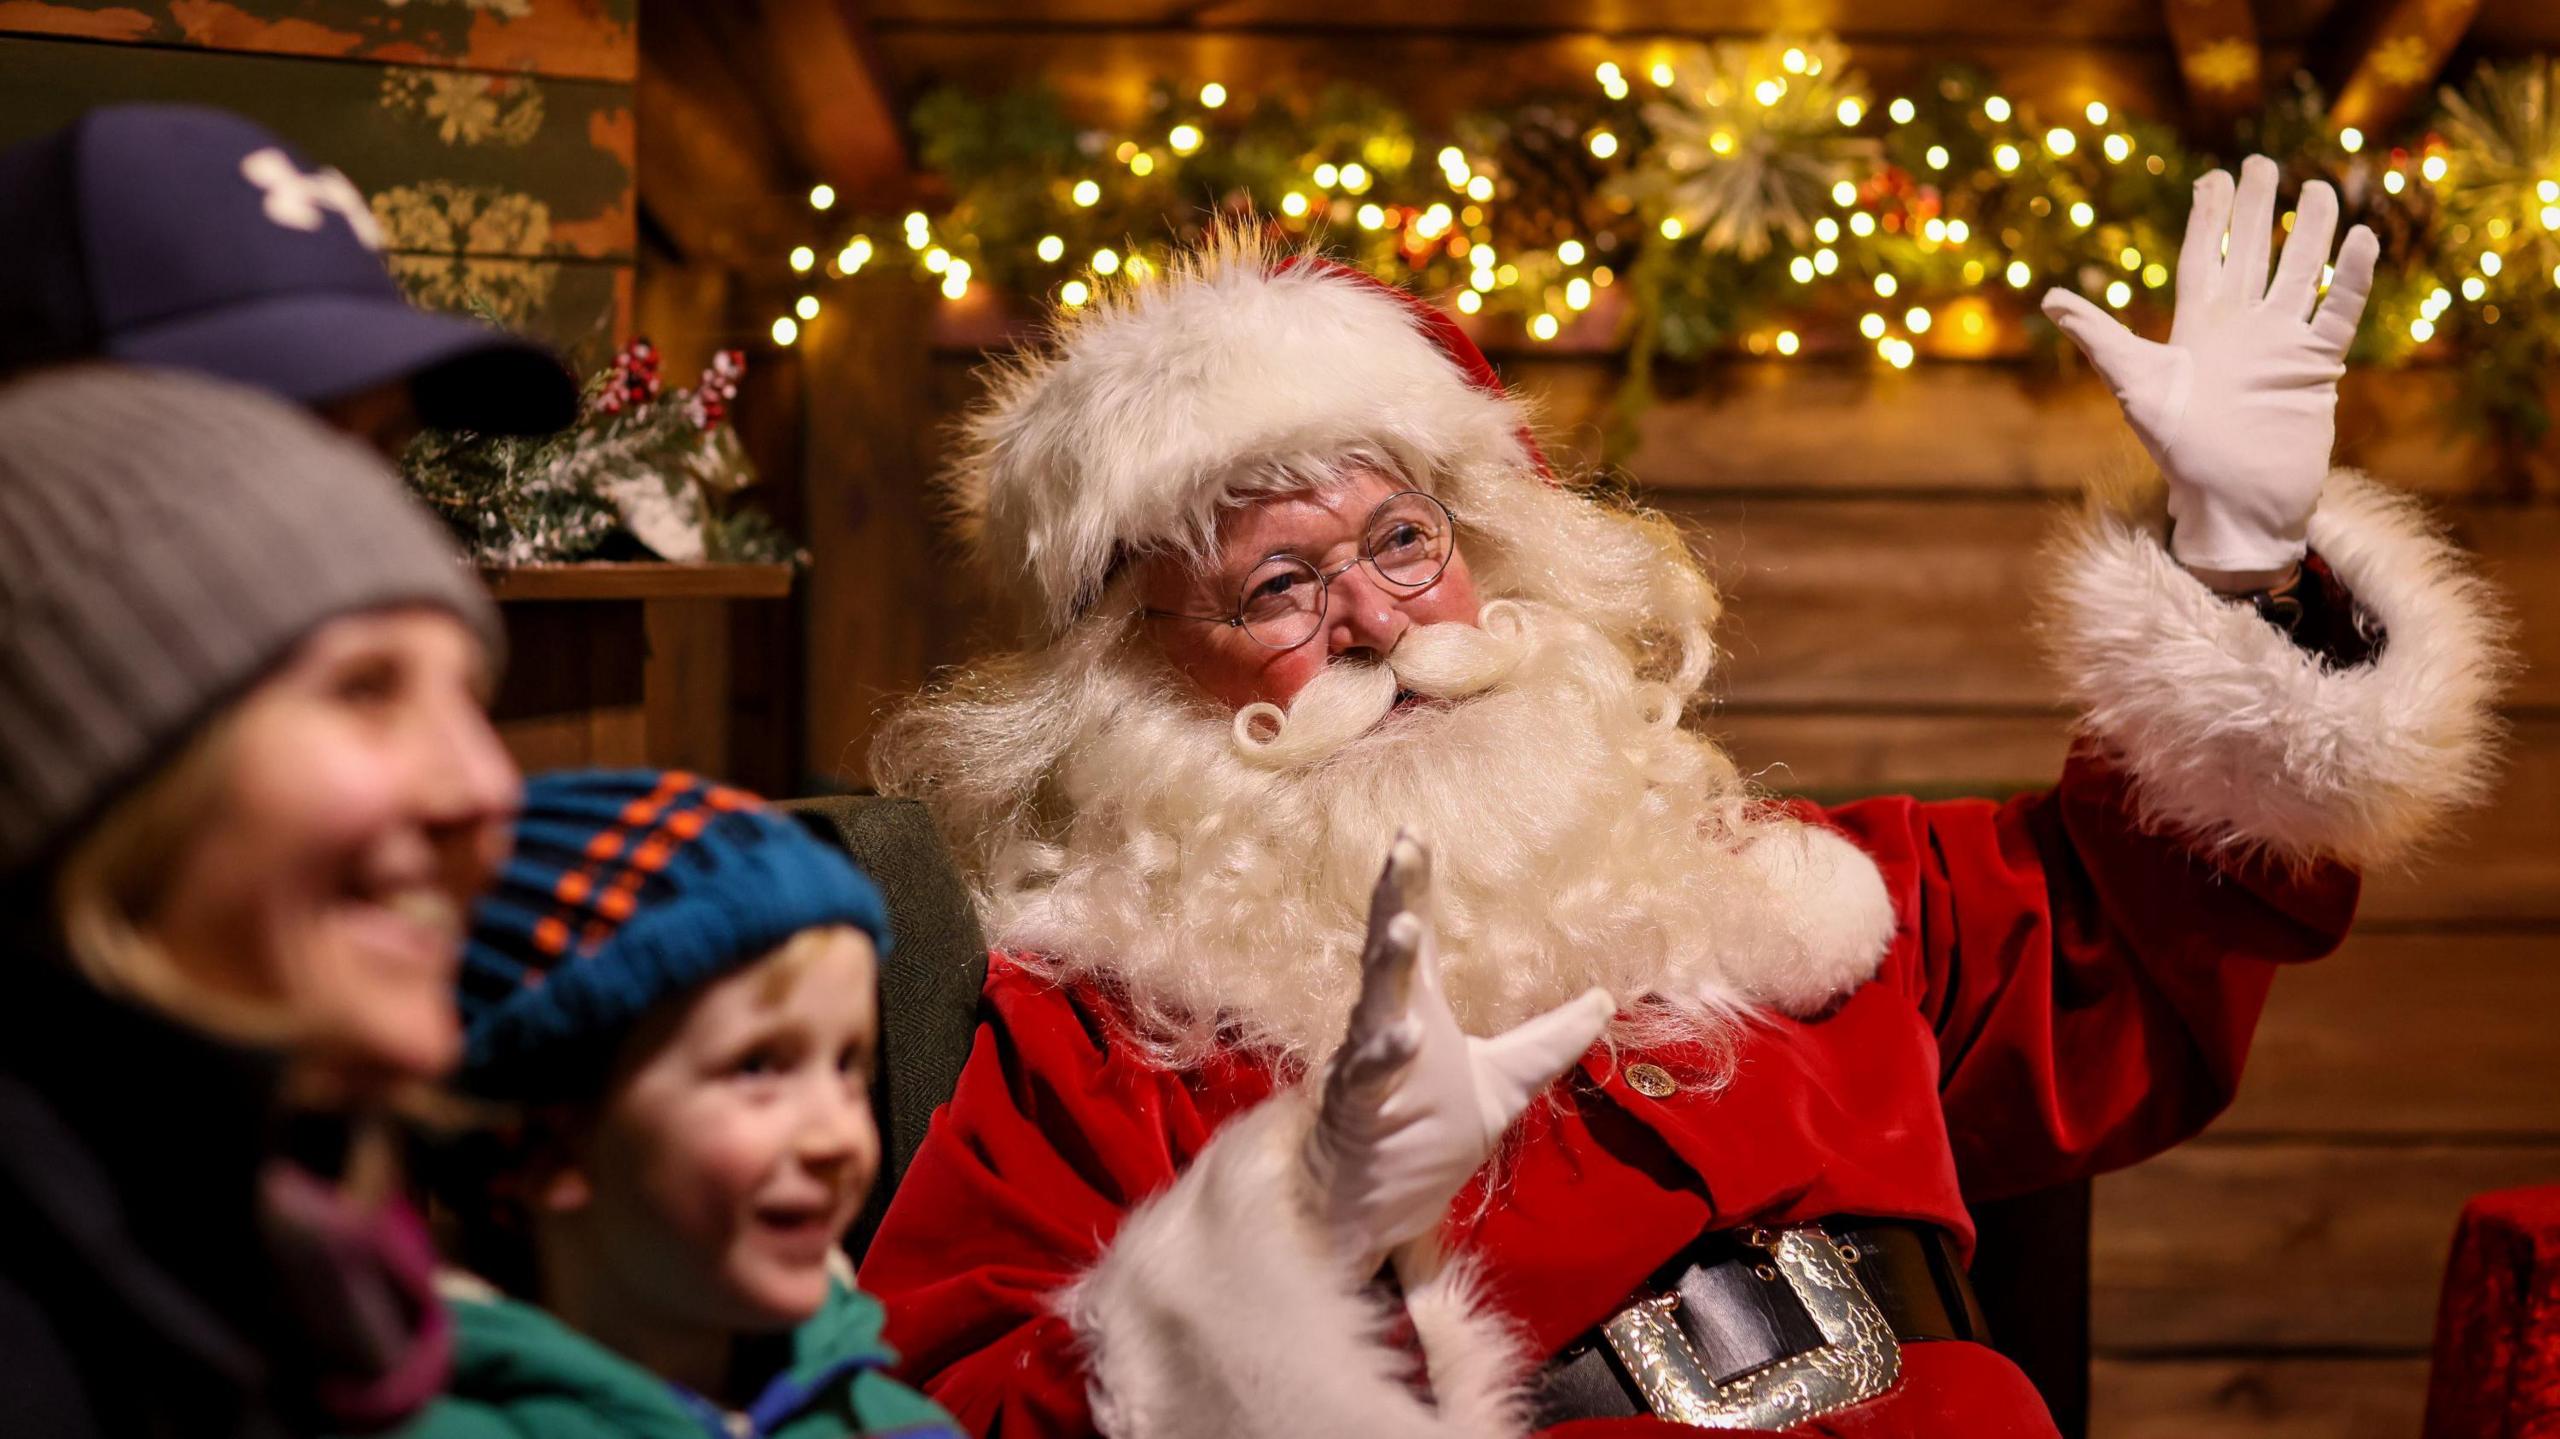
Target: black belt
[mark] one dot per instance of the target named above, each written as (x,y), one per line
(1740,1315)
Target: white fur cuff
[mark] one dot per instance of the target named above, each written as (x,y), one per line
(1218,1311)
(2243,741)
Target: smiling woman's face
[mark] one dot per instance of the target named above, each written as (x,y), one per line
(364,803)
(1364,618)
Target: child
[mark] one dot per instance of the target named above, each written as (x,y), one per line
(676,987)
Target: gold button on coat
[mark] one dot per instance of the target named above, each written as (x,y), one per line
(1651,1080)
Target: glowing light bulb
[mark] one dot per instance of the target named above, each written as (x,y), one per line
(1184,139)
(785,330)
(2351,139)
(1958,232)
(2117,147)
(1577,293)
(954,285)
(2434,168)
(1787,342)
(2018,274)
(2548,192)
(1935,230)
(2130,258)
(2155,275)
(1902,111)
(1886,285)
(2490,262)
(1051,247)
(1569,253)
(1997,108)
(1826,229)
(1937,157)
(2006,157)
(1825,260)
(1543,328)
(1106,261)
(1844,194)
(1603,144)
(1087,193)
(1293,204)
(1862,224)
(1661,75)
(2083,214)
(850,259)
(1480,188)
(1851,112)
(2061,141)
(1355,177)
(1916,320)
(1767,92)
(2474,288)
(804,259)
(2394,182)
(1326,176)
(1792,61)
(1469,301)
(2422,330)
(2551,217)
(1800,269)
(821,197)
(1074,293)
(1672,229)
(1608,71)
(1213,95)
(2119,294)
(2097,112)
(1372,218)
(1871,325)
(1142,164)
(937,259)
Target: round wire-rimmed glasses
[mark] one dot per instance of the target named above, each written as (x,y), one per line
(1406,542)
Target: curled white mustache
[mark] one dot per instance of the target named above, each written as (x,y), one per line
(1348,699)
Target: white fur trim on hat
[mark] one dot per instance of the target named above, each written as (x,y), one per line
(2239,738)
(1165,397)
(1217,1310)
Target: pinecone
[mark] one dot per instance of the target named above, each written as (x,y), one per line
(1551,182)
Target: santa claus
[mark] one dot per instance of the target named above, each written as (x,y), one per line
(1627,1096)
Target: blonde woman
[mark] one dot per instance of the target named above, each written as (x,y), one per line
(247,792)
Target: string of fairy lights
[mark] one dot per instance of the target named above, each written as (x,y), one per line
(1917,225)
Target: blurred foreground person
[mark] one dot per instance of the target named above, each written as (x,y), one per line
(186,237)
(1255,1142)
(247,794)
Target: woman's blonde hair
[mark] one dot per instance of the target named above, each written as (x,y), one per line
(109,884)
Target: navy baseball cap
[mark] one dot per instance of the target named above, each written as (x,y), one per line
(191,238)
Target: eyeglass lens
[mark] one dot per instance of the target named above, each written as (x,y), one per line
(1406,543)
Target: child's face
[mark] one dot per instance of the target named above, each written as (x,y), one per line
(727,1163)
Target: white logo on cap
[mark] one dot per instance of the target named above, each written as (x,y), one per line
(300,202)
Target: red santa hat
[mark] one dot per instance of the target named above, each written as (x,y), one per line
(1242,365)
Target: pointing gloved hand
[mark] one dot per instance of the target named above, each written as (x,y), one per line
(1412,1106)
(2239,407)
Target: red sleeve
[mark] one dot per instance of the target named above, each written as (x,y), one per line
(1055,1132)
(2093,988)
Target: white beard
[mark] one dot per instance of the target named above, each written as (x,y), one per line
(1216,873)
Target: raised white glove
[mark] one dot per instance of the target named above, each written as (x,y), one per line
(2240,406)
(1412,1106)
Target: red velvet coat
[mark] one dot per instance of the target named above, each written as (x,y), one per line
(2064,994)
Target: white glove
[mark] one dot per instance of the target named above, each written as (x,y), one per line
(1412,1107)
(2240,406)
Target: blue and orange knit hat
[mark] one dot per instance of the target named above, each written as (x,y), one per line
(629,887)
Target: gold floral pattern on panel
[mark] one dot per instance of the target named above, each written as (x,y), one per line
(458,218)
(513,292)
(465,108)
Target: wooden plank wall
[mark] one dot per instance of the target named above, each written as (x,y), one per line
(1876,532)
(495,140)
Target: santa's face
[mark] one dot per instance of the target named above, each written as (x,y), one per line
(1365,618)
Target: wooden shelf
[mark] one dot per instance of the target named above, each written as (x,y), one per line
(639,581)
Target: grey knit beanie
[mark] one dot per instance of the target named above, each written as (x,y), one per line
(165,539)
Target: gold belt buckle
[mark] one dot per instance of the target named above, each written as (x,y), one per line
(1859,1358)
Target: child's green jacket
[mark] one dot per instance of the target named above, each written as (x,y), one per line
(519,1373)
